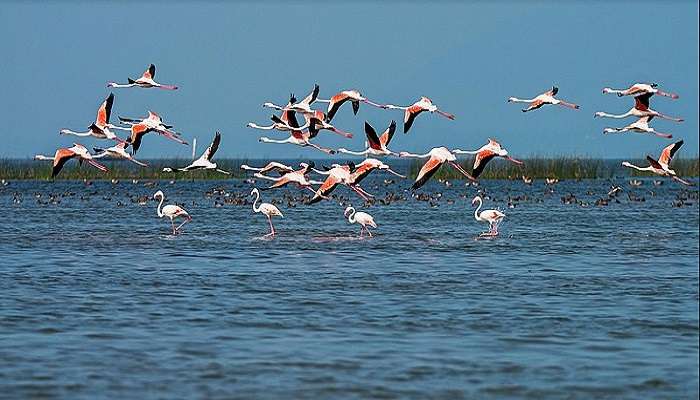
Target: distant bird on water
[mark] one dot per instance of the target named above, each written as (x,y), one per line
(171,211)
(543,99)
(436,158)
(412,111)
(145,81)
(64,154)
(485,154)
(661,166)
(640,89)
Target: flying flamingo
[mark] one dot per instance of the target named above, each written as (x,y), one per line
(661,167)
(171,211)
(145,81)
(493,217)
(204,161)
(304,106)
(640,109)
(640,126)
(377,145)
(152,123)
(297,137)
(485,154)
(437,156)
(639,89)
(353,96)
(320,121)
(297,177)
(117,151)
(543,99)
(266,208)
(338,175)
(99,129)
(269,167)
(412,111)
(363,169)
(64,154)
(359,217)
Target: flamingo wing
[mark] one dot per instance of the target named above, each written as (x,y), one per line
(429,169)
(668,152)
(105,110)
(150,73)
(388,134)
(535,105)
(334,105)
(372,138)
(60,159)
(361,173)
(137,132)
(641,102)
(410,115)
(654,163)
(552,92)
(312,96)
(213,147)
(326,188)
(482,158)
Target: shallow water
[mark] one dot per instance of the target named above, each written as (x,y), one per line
(98,300)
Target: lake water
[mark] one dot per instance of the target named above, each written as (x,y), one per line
(98,300)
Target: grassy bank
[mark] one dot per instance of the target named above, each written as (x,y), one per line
(537,168)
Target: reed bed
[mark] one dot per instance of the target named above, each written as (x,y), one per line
(536,168)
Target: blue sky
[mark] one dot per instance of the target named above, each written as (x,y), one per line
(469,58)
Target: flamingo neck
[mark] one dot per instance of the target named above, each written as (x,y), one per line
(257,197)
(476,212)
(70,132)
(355,153)
(351,217)
(160,205)
(517,100)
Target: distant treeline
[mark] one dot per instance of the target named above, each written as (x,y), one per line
(536,168)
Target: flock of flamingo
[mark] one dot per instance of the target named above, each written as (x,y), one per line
(348,174)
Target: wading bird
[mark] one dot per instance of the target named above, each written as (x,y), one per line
(267,209)
(639,126)
(171,211)
(99,129)
(543,99)
(639,89)
(412,111)
(204,161)
(64,154)
(437,157)
(361,218)
(661,167)
(640,109)
(117,151)
(485,154)
(353,96)
(493,217)
(145,81)
(298,177)
(377,145)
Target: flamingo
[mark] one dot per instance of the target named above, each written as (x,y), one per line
(639,89)
(101,127)
(321,122)
(117,151)
(661,167)
(377,144)
(493,217)
(269,167)
(204,161)
(542,99)
(145,81)
(152,123)
(64,154)
(304,106)
(266,208)
(354,96)
(171,211)
(297,137)
(338,175)
(485,154)
(437,156)
(297,177)
(412,111)
(359,217)
(640,109)
(639,126)
(363,169)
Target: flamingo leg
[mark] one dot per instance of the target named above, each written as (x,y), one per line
(570,105)
(663,135)
(183,223)
(445,114)
(272,228)
(460,169)
(368,232)
(172,222)
(362,230)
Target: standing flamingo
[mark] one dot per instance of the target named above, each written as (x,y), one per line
(266,208)
(661,167)
(171,211)
(639,89)
(361,218)
(145,81)
(117,151)
(485,154)
(99,129)
(493,217)
(412,111)
(639,126)
(353,96)
(377,145)
(204,161)
(640,109)
(543,99)
(64,154)
(437,156)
